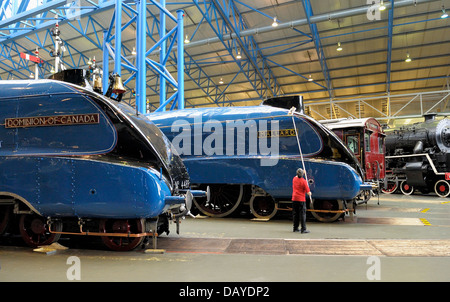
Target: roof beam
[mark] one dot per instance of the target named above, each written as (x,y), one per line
(249,47)
(318,44)
(389,50)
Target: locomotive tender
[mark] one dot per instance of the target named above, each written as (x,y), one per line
(250,155)
(418,157)
(75,162)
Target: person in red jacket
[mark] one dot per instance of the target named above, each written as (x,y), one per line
(299,190)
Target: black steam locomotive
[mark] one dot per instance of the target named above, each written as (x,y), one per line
(418,157)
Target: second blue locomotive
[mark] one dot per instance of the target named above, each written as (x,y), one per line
(250,155)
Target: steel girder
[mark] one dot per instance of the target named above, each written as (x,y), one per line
(225,19)
(318,45)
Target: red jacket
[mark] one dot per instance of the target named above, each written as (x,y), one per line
(299,189)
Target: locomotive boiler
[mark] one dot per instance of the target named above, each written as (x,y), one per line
(75,162)
(249,155)
(418,157)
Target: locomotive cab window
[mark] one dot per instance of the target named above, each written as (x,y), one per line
(353,143)
(367,142)
(380,145)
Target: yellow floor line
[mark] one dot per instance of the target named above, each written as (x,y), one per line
(424,221)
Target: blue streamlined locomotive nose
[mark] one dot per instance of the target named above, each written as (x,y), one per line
(73,159)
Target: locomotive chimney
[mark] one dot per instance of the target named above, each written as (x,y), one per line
(429,117)
(286,102)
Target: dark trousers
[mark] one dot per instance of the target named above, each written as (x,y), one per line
(299,214)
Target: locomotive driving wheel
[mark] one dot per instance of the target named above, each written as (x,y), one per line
(327,210)
(391,186)
(442,188)
(122,226)
(35,230)
(406,188)
(263,206)
(224,200)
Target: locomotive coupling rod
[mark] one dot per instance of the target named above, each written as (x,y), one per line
(311,210)
(327,211)
(105,234)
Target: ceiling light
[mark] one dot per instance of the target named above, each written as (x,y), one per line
(133,52)
(310,79)
(275,22)
(239,55)
(52,70)
(220,81)
(186,40)
(444,14)
(31,75)
(339,48)
(90,61)
(408,58)
(382,7)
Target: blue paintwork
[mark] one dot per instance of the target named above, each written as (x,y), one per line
(51,99)
(75,170)
(331,178)
(65,187)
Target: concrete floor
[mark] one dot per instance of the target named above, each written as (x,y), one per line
(405,238)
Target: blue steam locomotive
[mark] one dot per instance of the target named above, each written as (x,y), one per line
(249,155)
(75,162)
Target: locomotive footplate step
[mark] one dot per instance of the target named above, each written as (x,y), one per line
(333,247)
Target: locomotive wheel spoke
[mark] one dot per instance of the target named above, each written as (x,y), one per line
(122,226)
(224,200)
(442,188)
(35,231)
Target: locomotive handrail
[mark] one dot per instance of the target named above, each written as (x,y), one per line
(421,154)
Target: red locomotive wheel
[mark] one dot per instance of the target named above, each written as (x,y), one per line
(391,187)
(35,231)
(334,206)
(263,207)
(442,188)
(123,226)
(406,188)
